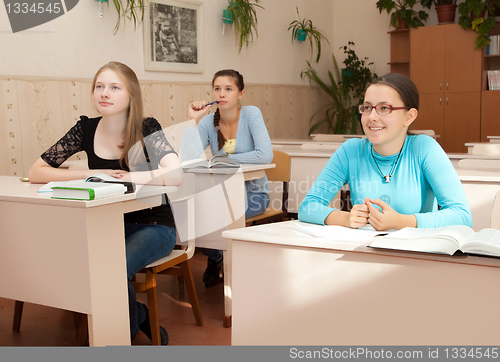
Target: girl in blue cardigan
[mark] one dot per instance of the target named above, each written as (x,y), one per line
(396,180)
(232,130)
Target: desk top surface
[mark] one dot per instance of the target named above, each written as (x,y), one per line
(478,175)
(306,152)
(282,233)
(12,189)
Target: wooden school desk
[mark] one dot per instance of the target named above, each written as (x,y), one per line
(70,254)
(309,291)
(220,205)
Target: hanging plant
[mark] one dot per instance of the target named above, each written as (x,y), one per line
(129,9)
(243,14)
(303,29)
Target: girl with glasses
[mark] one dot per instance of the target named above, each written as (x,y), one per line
(396,180)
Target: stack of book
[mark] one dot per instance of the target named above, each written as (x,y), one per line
(494,47)
(494,79)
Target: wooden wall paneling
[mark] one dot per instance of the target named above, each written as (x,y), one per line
(10,132)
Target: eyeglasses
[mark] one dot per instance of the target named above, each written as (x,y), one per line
(381,109)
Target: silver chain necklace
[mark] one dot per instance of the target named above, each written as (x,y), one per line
(387,178)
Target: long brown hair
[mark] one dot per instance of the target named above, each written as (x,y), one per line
(135,119)
(238,79)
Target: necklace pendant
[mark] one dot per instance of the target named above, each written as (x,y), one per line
(387,178)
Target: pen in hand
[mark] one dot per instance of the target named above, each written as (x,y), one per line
(206,105)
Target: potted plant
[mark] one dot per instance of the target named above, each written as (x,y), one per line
(303,29)
(445,9)
(403,15)
(346,88)
(243,15)
(479,15)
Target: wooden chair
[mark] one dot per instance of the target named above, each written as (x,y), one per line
(176,263)
(280,173)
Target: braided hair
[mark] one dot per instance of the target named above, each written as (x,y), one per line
(240,84)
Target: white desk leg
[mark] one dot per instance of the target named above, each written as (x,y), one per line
(228,285)
(109,322)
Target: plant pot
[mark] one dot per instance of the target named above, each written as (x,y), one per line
(446,13)
(402,24)
(226,17)
(301,35)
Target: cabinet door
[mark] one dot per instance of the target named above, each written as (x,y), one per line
(427,54)
(463,61)
(490,114)
(462,120)
(431,115)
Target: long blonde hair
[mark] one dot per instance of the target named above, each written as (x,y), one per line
(135,119)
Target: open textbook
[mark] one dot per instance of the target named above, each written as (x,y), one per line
(215,161)
(443,240)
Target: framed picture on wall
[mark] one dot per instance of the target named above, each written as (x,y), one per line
(173,36)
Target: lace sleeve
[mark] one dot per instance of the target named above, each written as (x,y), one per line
(68,145)
(157,145)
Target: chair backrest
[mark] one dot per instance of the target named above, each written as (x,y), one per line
(182,202)
(495,213)
(486,149)
(282,170)
(478,164)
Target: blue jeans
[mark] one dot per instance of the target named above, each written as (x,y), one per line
(257,204)
(144,244)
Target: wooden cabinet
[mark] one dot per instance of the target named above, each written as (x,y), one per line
(447,71)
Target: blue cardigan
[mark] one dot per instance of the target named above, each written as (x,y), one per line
(423,175)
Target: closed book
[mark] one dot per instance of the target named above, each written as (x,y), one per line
(87,191)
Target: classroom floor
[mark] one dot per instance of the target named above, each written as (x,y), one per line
(45,326)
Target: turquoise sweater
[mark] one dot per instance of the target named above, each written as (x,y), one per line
(253,144)
(423,175)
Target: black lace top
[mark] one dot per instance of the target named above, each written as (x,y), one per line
(81,138)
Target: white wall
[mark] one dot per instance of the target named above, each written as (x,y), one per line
(359,21)
(76,44)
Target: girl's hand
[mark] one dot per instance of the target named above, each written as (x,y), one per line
(358,216)
(388,218)
(197,110)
